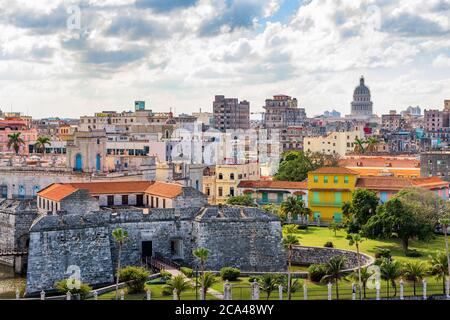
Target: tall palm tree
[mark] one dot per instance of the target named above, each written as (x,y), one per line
(268,283)
(289,242)
(390,271)
(439,267)
(207,280)
(334,271)
(415,272)
(15,141)
(359,146)
(293,207)
(372,143)
(202,254)
(120,236)
(365,275)
(356,239)
(445,223)
(180,283)
(41,142)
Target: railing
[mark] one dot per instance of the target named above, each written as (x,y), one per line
(159,262)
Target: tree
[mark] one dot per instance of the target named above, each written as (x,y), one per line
(394,220)
(414,271)
(335,227)
(15,141)
(207,280)
(41,142)
(120,236)
(390,271)
(445,222)
(439,267)
(179,283)
(358,211)
(293,207)
(135,277)
(202,254)
(289,242)
(295,165)
(356,239)
(359,146)
(268,283)
(335,271)
(365,275)
(372,143)
(245,201)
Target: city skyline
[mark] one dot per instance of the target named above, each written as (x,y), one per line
(58,59)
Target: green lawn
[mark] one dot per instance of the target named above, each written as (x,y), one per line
(317,237)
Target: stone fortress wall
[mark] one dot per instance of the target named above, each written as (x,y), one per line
(246,238)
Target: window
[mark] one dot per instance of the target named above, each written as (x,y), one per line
(338,197)
(110,200)
(316,198)
(231,176)
(220,176)
(220,192)
(346,179)
(316,179)
(336,179)
(231,191)
(124,199)
(208,191)
(325,179)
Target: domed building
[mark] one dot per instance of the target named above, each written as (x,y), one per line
(362,106)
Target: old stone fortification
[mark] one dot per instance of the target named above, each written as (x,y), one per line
(246,238)
(317,255)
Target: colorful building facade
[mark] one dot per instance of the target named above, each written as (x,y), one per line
(328,190)
(273,192)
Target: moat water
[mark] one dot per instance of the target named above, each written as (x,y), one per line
(9,282)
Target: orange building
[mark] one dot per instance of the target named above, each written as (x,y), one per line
(383,166)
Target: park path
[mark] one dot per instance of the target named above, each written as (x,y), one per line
(175,272)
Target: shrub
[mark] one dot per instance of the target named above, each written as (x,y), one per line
(188,272)
(230,274)
(303,227)
(135,278)
(82,289)
(412,253)
(329,244)
(166,275)
(316,272)
(382,253)
(252,279)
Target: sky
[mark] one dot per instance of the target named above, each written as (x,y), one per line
(72,58)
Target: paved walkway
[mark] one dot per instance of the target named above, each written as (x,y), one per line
(175,272)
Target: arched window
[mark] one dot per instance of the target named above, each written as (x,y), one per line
(36,190)
(78,162)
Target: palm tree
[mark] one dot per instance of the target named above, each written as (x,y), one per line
(41,142)
(179,283)
(207,280)
(334,271)
(414,271)
(390,271)
(202,255)
(445,223)
(372,143)
(289,242)
(356,239)
(293,207)
(290,228)
(365,275)
(335,227)
(15,141)
(268,283)
(439,267)
(359,145)
(120,236)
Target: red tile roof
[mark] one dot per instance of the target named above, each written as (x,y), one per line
(381,162)
(334,170)
(164,189)
(272,184)
(57,191)
(398,183)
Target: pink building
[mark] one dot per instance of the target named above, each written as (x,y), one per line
(8,127)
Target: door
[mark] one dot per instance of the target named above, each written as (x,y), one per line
(98,163)
(110,200)
(265,197)
(139,200)
(147,249)
(78,162)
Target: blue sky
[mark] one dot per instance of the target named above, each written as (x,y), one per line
(178,54)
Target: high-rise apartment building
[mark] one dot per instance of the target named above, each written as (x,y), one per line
(230,113)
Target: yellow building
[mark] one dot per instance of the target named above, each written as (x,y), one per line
(220,182)
(328,190)
(340,143)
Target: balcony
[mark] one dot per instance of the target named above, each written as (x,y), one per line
(327,204)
